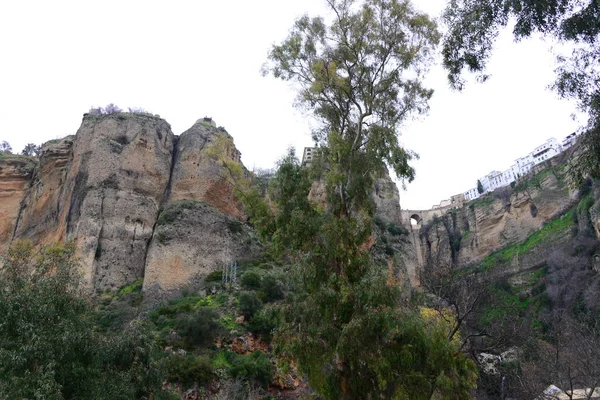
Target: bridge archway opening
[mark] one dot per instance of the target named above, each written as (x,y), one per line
(415,221)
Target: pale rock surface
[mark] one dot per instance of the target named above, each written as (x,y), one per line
(117,180)
(199,171)
(500,219)
(44,212)
(15,175)
(191,240)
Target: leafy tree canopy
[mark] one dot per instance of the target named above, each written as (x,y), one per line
(31,149)
(49,347)
(5,147)
(360,76)
(473,25)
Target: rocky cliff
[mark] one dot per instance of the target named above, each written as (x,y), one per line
(505,217)
(143,203)
(108,187)
(15,173)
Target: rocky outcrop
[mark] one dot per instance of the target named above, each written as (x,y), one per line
(140,202)
(387,198)
(192,239)
(116,183)
(499,219)
(43,214)
(15,174)
(201,171)
(105,187)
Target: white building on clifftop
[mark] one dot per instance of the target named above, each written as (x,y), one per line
(523,165)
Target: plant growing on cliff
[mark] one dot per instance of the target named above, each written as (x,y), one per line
(31,149)
(344,327)
(5,147)
(479,187)
(50,347)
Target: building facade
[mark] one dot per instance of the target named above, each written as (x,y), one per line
(522,166)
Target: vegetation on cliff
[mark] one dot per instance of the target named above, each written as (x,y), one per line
(49,345)
(345,327)
(534,301)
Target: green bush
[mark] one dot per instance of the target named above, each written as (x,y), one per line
(135,287)
(272,288)
(396,230)
(265,322)
(199,329)
(389,250)
(188,369)
(215,276)
(249,304)
(251,280)
(255,366)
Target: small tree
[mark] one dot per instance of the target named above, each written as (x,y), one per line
(5,148)
(111,109)
(479,187)
(136,110)
(31,149)
(50,346)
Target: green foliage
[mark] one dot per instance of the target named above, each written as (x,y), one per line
(189,369)
(479,187)
(174,210)
(397,230)
(546,234)
(505,304)
(484,201)
(255,366)
(251,280)
(265,322)
(134,287)
(343,326)
(200,328)
(249,304)
(272,288)
(51,348)
(215,276)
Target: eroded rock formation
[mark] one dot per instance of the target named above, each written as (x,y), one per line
(142,203)
(15,173)
(105,187)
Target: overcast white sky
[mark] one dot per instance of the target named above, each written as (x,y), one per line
(188,59)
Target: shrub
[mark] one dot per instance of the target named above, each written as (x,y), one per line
(255,366)
(265,322)
(200,328)
(188,369)
(389,250)
(272,288)
(249,304)
(215,276)
(251,280)
(396,230)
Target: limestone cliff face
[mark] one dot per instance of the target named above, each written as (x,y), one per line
(105,188)
(200,171)
(43,215)
(140,202)
(192,239)
(102,188)
(116,182)
(496,220)
(387,198)
(15,173)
